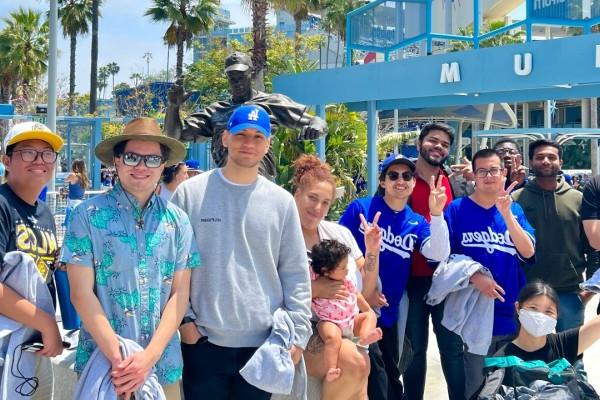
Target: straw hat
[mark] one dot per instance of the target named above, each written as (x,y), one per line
(145,129)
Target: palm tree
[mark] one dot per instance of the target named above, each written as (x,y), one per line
(299,10)
(136,77)
(488,26)
(25,42)
(187,18)
(74,16)
(259,39)
(6,77)
(113,69)
(335,19)
(94,61)
(103,74)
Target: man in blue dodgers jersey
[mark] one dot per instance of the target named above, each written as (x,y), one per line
(403,232)
(488,227)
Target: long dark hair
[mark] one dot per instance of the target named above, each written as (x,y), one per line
(80,171)
(170,172)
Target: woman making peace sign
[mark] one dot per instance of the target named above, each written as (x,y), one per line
(403,232)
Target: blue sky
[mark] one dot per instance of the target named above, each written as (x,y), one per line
(124,36)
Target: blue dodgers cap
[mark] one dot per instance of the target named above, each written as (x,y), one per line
(396,159)
(193,165)
(249,117)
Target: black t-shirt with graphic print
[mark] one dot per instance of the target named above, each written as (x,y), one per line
(29,229)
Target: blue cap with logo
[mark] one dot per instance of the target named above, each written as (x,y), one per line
(396,159)
(249,117)
(193,165)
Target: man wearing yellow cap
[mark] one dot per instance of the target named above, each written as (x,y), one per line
(26,224)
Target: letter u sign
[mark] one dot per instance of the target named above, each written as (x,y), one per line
(523,64)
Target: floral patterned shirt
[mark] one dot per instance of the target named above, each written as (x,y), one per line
(134,263)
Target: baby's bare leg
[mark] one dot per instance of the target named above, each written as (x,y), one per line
(365,327)
(331,334)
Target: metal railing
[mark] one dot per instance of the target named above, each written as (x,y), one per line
(57,202)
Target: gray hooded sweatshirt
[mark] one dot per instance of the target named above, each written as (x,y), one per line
(253,259)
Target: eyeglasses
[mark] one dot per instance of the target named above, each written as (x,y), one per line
(30,155)
(406,176)
(482,172)
(507,150)
(150,160)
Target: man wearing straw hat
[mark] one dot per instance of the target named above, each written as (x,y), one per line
(26,224)
(129,257)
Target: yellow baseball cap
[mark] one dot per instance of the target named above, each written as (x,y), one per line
(33,130)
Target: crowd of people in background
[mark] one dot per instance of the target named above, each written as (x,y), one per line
(234,288)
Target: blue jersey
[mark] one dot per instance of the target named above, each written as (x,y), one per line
(482,235)
(402,233)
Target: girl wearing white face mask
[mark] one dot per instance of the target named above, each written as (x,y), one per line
(537,310)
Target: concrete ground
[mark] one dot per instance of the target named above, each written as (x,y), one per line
(435,386)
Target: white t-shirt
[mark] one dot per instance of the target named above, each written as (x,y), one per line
(332,231)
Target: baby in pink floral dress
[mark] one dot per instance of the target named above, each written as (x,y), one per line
(340,317)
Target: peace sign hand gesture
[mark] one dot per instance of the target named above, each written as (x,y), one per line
(437,196)
(504,201)
(372,233)
(465,169)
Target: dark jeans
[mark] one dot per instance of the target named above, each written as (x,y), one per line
(449,344)
(377,388)
(212,372)
(571,311)
(390,347)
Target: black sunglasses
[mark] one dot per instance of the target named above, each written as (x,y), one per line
(150,160)
(406,176)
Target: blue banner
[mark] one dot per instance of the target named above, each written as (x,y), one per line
(572,10)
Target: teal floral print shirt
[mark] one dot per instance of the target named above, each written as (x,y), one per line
(134,263)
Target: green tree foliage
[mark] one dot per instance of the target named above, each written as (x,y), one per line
(498,40)
(347,139)
(80,103)
(334,21)
(208,78)
(110,129)
(23,52)
(186,18)
(299,10)
(387,144)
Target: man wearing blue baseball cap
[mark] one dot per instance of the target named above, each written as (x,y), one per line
(254,262)
(209,123)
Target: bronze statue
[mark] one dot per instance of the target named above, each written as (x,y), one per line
(212,121)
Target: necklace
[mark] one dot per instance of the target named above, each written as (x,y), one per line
(138,214)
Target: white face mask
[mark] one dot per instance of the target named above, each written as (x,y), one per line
(536,323)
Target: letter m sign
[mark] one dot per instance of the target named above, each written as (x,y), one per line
(450,73)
